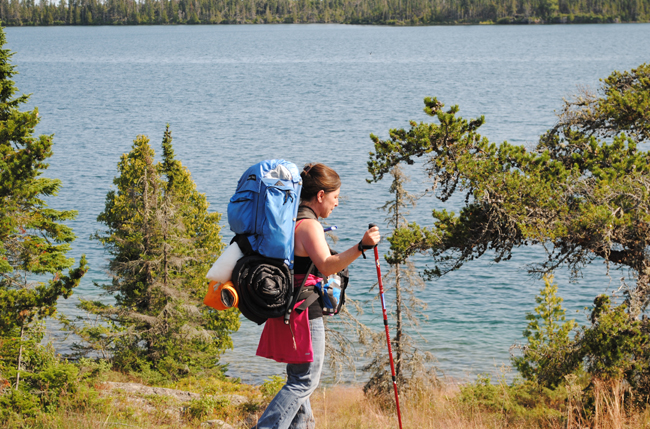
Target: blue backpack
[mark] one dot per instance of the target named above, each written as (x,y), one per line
(265,206)
(262,214)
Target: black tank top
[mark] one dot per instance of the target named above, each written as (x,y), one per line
(301,264)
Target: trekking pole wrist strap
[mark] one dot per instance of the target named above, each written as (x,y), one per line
(361,247)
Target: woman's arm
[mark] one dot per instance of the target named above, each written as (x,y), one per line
(310,241)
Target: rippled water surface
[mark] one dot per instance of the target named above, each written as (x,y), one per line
(234,95)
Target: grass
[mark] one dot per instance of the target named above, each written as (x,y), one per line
(478,405)
(343,408)
(451,407)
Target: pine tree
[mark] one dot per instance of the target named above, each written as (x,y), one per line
(162,240)
(581,193)
(34,240)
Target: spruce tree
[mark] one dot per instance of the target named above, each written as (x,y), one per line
(34,240)
(162,241)
(549,354)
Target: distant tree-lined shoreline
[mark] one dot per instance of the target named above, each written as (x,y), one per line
(382,12)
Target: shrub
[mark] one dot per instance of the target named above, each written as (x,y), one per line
(271,386)
(519,402)
(615,345)
(205,406)
(18,402)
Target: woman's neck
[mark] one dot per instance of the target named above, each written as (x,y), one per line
(309,205)
(310,208)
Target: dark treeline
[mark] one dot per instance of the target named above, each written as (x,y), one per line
(390,12)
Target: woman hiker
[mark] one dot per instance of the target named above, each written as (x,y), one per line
(290,408)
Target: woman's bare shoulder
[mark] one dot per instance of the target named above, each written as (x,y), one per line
(309,236)
(309,226)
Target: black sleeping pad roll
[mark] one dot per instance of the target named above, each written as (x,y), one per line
(264,287)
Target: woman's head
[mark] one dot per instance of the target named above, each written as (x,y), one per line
(320,185)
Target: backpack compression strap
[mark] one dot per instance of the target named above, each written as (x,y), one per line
(312,295)
(309,291)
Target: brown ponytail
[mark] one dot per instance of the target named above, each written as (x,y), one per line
(318,177)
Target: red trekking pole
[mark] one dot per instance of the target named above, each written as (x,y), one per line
(390,350)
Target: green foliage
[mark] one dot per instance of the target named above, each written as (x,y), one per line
(205,406)
(45,381)
(615,346)
(89,404)
(391,12)
(54,380)
(13,347)
(407,240)
(519,403)
(162,240)
(18,402)
(548,356)
(141,369)
(95,369)
(272,385)
(623,106)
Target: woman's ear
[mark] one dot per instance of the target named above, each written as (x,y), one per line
(321,196)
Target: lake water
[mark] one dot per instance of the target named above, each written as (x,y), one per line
(234,95)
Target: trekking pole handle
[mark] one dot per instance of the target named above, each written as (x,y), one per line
(370,226)
(361,247)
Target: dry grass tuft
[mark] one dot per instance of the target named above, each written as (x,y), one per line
(347,407)
(609,408)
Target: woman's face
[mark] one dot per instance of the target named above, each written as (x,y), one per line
(329,201)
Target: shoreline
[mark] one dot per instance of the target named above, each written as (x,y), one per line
(525,22)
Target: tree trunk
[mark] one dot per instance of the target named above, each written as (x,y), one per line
(20,354)
(398,314)
(145,209)
(399,349)
(639,297)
